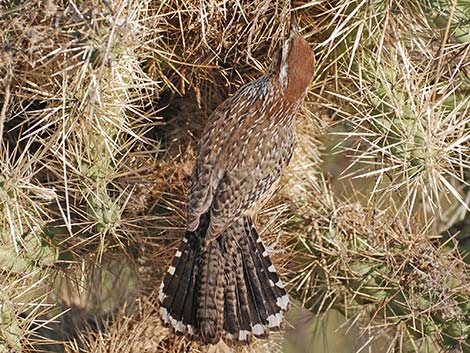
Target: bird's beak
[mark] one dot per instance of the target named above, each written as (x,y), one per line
(294,30)
(294,27)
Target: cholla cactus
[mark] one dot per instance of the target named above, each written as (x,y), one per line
(391,281)
(397,82)
(87,173)
(72,96)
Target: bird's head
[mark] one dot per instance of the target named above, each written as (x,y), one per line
(293,64)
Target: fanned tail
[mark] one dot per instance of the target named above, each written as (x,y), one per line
(226,288)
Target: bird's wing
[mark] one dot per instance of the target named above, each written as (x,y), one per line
(240,157)
(209,167)
(248,184)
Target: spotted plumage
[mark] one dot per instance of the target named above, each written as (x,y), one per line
(221,283)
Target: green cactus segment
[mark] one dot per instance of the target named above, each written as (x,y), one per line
(22,243)
(26,255)
(98,174)
(439,12)
(10,330)
(33,253)
(104,132)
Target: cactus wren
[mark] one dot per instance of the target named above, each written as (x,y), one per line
(221,283)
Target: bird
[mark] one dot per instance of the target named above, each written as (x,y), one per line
(221,284)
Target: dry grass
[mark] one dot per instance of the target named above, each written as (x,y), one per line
(102,104)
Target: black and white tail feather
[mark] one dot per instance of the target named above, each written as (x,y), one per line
(223,289)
